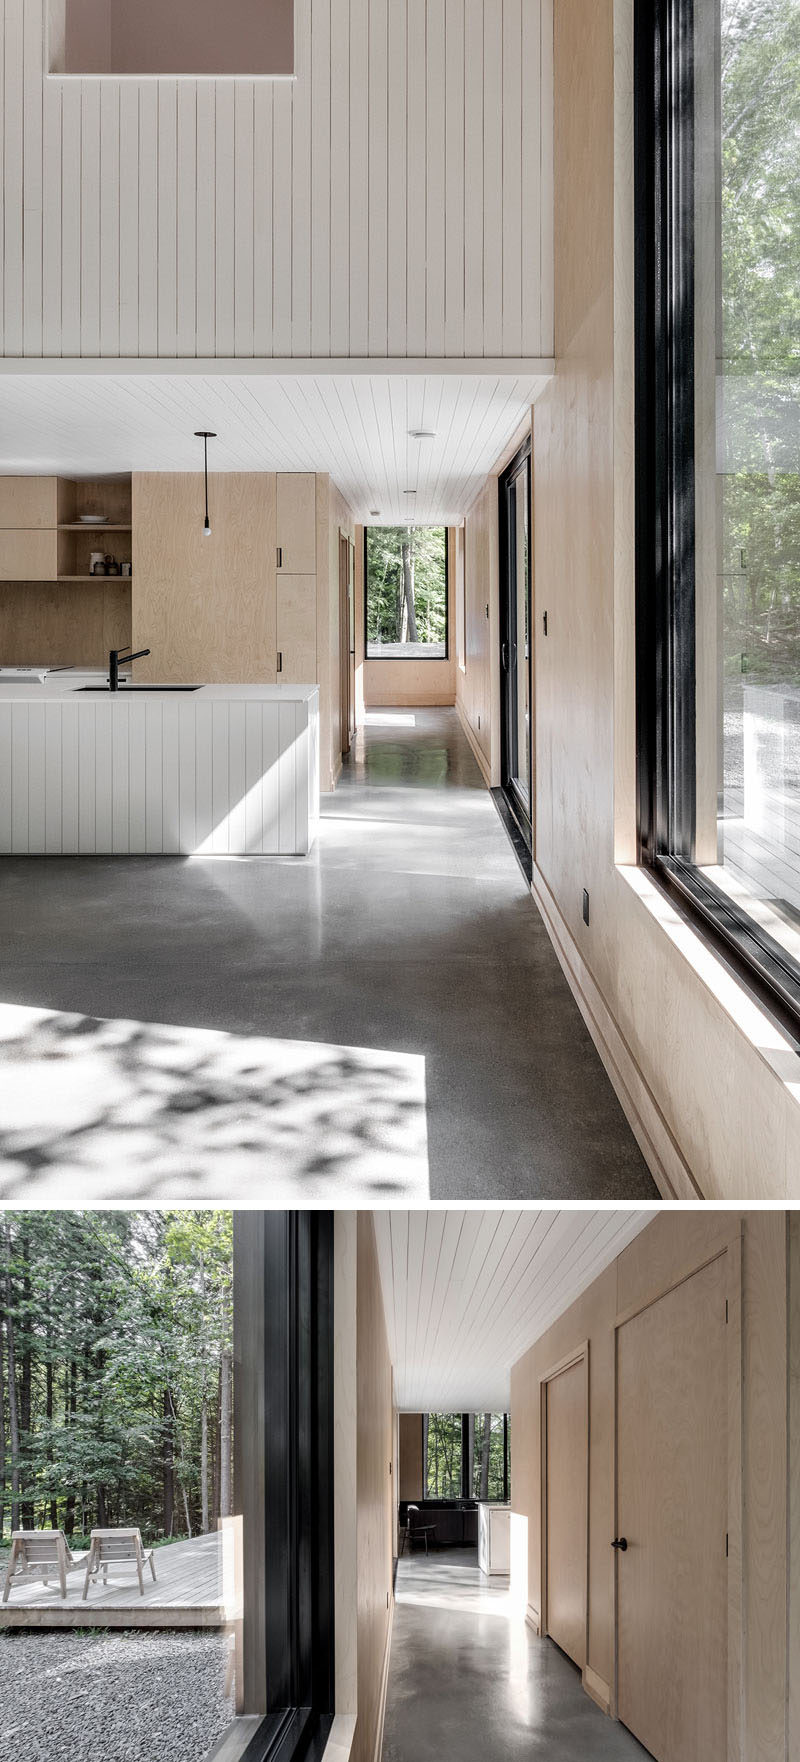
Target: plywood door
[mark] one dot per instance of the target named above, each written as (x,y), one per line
(297,522)
(28,554)
(297,629)
(567,1474)
(672,1490)
(28,501)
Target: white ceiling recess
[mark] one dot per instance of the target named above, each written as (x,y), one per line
(355,424)
(466,1293)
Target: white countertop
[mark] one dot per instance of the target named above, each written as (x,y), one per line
(68,688)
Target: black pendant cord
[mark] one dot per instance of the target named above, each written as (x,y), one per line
(205,435)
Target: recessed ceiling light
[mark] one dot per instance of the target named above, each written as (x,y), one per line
(374,512)
(422,433)
(409,492)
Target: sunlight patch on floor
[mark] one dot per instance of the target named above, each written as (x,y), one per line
(96,1109)
(389,719)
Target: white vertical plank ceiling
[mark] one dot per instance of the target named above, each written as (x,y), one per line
(357,427)
(466,1293)
(393,200)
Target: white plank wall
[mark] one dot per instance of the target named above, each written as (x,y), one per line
(150,776)
(394,199)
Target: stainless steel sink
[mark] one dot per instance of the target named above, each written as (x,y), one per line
(125,690)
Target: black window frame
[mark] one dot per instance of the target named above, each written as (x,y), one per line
(523,817)
(291,1365)
(392,659)
(665,510)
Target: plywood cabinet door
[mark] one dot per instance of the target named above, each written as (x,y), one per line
(567,1477)
(297,522)
(28,501)
(297,630)
(672,1503)
(28,554)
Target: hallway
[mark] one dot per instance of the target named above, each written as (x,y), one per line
(383,1018)
(468,1678)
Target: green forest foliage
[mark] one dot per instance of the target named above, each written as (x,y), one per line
(115,1370)
(399,557)
(760,217)
(444,1451)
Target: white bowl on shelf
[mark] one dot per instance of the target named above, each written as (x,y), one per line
(93,519)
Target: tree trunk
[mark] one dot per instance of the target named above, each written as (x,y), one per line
(408,593)
(168,1463)
(2,1437)
(70,1410)
(225,1433)
(486,1443)
(49,1414)
(102,1508)
(13,1411)
(470,1477)
(27,1506)
(425,1427)
(204,1467)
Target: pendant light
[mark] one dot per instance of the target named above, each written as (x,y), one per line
(205,435)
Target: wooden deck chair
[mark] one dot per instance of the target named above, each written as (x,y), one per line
(117,1548)
(37,1554)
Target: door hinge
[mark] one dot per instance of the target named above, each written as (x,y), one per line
(280,661)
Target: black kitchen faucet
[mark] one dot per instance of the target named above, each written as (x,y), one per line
(116,659)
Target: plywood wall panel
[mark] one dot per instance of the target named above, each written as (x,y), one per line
(63,625)
(205,606)
(359,231)
(409,1479)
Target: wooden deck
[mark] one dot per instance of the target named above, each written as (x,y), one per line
(193,1588)
(763,874)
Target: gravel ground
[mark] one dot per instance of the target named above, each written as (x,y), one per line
(124,1696)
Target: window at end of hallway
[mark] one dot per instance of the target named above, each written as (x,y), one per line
(250,38)
(405,575)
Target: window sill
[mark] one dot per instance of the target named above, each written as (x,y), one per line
(341,1738)
(752,1022)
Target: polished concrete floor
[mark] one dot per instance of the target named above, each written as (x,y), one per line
(384,1019)
(470,1682)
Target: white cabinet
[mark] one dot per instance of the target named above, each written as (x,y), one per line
(494,1539)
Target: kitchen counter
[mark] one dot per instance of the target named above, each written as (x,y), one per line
(218,770)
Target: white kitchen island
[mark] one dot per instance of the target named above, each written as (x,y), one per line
(220,770)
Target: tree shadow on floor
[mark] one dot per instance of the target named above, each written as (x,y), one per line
(122,1109)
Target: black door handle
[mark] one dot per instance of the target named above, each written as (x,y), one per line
(504,655)
(621,1543)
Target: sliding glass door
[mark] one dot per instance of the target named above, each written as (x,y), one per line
(515,638)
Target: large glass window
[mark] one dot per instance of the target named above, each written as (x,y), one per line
(465,1455)
(718,442)
(405,576)
(442,1455)
(490,1456)
(166,1479)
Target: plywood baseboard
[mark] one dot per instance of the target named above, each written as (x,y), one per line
(532,1618)
(597,1688)
(668,1167)
(378,1751)
(481,758)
